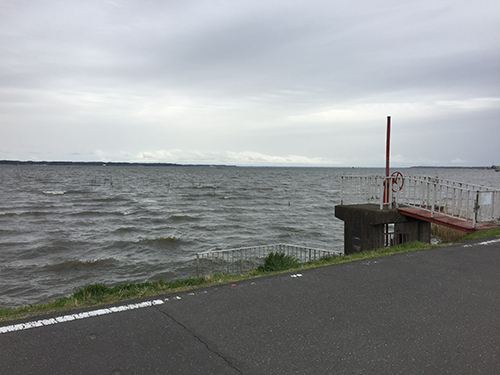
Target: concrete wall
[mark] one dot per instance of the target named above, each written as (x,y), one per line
(364,226)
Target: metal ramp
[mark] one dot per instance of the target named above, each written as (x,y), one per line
(445,220)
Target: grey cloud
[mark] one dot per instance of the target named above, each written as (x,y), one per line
(277,78)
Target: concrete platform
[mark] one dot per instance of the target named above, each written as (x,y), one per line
(426,312)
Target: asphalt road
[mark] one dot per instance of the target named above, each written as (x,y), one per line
(435,311)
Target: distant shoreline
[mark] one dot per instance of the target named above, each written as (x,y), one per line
(107,163)
(156,164)
(455,167)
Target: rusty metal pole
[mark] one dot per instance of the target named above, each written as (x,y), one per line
(387,184)
(388,144)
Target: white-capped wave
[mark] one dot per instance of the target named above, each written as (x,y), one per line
(54,192)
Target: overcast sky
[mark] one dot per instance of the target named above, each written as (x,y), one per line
(250,82)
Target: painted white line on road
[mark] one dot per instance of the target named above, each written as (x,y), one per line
(483,243)
(83,315)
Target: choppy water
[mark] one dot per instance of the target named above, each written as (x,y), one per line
(63,227)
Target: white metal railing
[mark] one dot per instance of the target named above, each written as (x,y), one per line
(463,201)
(247,258)
(361,189)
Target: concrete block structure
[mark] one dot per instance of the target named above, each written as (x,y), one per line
(367,227)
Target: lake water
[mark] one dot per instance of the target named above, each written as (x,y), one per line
(64,227)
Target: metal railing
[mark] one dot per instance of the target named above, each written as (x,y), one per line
(362,189)
(463,201)
(248,258)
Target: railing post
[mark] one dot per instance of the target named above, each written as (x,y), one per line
(396,198)
(459,200)
(476,210)
(434,195)
(427,202)
(197,265)
(382,195)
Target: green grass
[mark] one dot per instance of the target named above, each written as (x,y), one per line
(482,233)
(278,262)
(98,294)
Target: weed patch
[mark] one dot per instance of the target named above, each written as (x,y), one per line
(278,262)
(445,234)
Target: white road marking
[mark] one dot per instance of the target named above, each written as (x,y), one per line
(484,243)
(83,315)
(89,314)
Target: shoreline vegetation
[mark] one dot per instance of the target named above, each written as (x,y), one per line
(106,163)
(100,294)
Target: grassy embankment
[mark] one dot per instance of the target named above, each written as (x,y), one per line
(98,294)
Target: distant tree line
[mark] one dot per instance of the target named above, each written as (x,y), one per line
(101,163)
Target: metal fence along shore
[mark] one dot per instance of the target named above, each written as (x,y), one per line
(465,201)
(248,258)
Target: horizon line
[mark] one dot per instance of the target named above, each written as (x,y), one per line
(169,164)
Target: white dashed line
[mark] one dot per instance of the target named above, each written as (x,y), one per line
(83,315)
(483,243)
(89,314)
